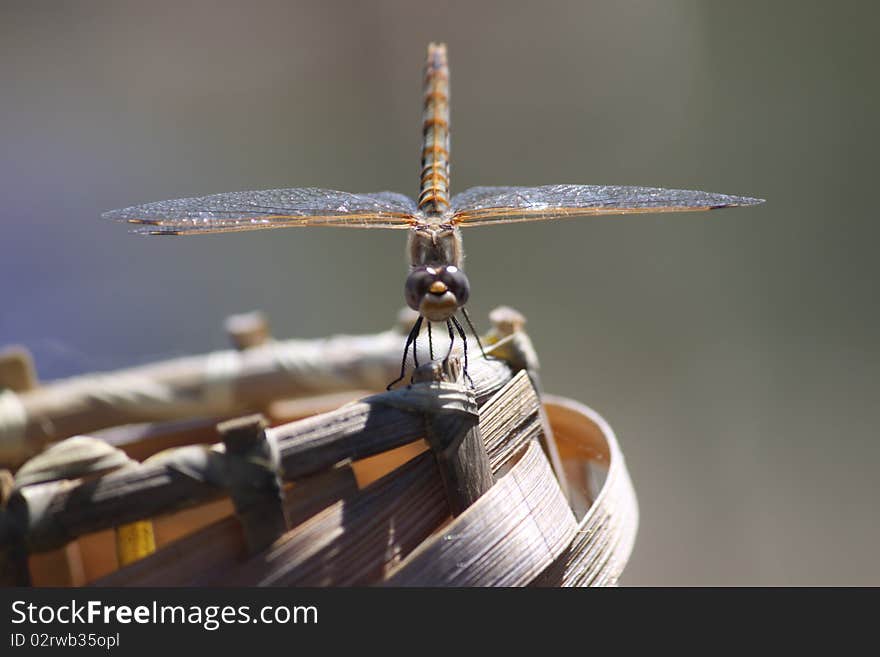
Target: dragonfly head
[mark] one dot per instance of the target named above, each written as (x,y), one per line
(437,292)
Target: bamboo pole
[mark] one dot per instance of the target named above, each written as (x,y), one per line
(457,443)
(221,384)
(254,481)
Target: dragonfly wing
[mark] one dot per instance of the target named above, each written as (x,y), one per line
(273,208)
(480,206)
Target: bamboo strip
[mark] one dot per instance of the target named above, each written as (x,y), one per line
(606,533)
(506,538)
(140,441)
(220,547)
(511,420)
(353,541)
(186,560)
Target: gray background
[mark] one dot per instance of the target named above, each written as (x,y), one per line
(735,353)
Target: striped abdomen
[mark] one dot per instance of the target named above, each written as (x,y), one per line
(434,190)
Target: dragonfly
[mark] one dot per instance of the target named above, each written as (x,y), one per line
(436,286)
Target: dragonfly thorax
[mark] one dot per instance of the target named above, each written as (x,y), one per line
(434,244)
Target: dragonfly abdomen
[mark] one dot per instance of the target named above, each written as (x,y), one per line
(434,184)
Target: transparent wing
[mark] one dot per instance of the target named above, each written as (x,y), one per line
(480,206)
(272,208)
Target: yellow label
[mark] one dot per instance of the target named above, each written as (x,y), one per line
(134,541)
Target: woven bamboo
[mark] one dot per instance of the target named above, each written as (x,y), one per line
(438,483)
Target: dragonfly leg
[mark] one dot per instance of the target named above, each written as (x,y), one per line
(464,346)
(473,329)
(415,340)
(451,342)
(410,340)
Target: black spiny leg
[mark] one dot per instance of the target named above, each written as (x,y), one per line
(464,343)
(470,324)
(451,342)
(410,340)
(415,340)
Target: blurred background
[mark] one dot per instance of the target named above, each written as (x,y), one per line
(735,353)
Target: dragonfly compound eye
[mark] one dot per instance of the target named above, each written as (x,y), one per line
(418,284)
(457,282)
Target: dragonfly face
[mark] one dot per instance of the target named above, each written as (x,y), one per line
(436,286)
(437,292)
